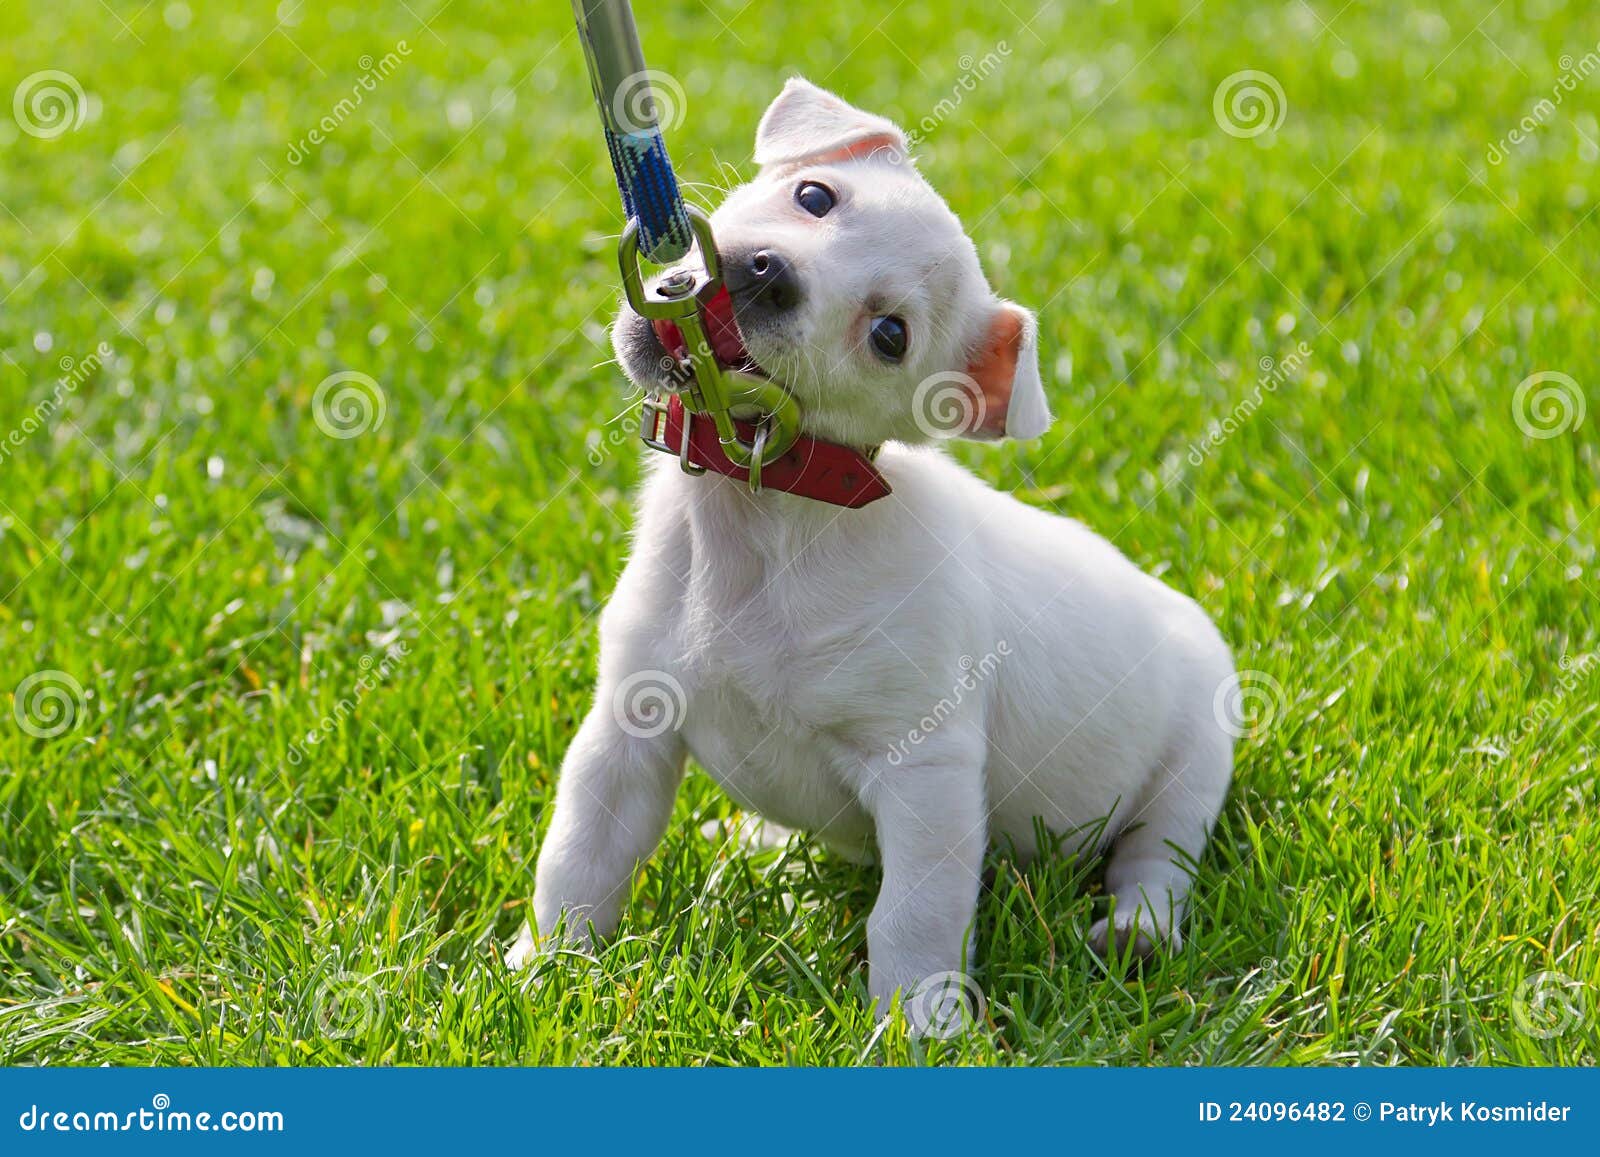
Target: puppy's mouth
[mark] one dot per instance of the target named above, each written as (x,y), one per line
(722,330)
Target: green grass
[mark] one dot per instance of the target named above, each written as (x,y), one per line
(1412,837)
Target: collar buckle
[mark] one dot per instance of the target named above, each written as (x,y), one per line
(824,471)
(655,427)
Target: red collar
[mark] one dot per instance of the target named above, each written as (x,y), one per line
(810,468)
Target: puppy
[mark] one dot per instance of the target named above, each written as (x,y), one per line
(913,679)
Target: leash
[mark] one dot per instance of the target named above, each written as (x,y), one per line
(662,229)
(628,117)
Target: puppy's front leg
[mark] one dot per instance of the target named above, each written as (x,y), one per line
(932,831)
(612,803)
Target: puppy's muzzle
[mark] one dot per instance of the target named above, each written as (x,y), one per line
(763,283)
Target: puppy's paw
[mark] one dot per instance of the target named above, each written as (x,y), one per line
(1136,931)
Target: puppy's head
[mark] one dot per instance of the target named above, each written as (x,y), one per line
(855,287)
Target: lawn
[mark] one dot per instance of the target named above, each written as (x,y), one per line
(289,667)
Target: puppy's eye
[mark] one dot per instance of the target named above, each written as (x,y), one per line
(814,198)
(889,338)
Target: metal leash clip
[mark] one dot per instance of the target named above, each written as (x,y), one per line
(677,298)
(665,229)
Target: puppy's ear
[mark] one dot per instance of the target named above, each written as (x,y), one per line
(1005,367)
(805,123)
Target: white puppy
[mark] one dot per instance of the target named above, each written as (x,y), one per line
(912,679)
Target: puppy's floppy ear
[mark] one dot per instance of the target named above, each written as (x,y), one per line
(1005,368)
(806,123)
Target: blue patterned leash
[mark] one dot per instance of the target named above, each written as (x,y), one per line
(629,113)
(662,229)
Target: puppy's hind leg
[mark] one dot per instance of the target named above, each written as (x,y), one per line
(1149,874)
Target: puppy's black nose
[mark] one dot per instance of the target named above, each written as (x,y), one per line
(762,281)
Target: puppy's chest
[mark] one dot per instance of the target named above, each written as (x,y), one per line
(782,651)
(774,695)
(776,657)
